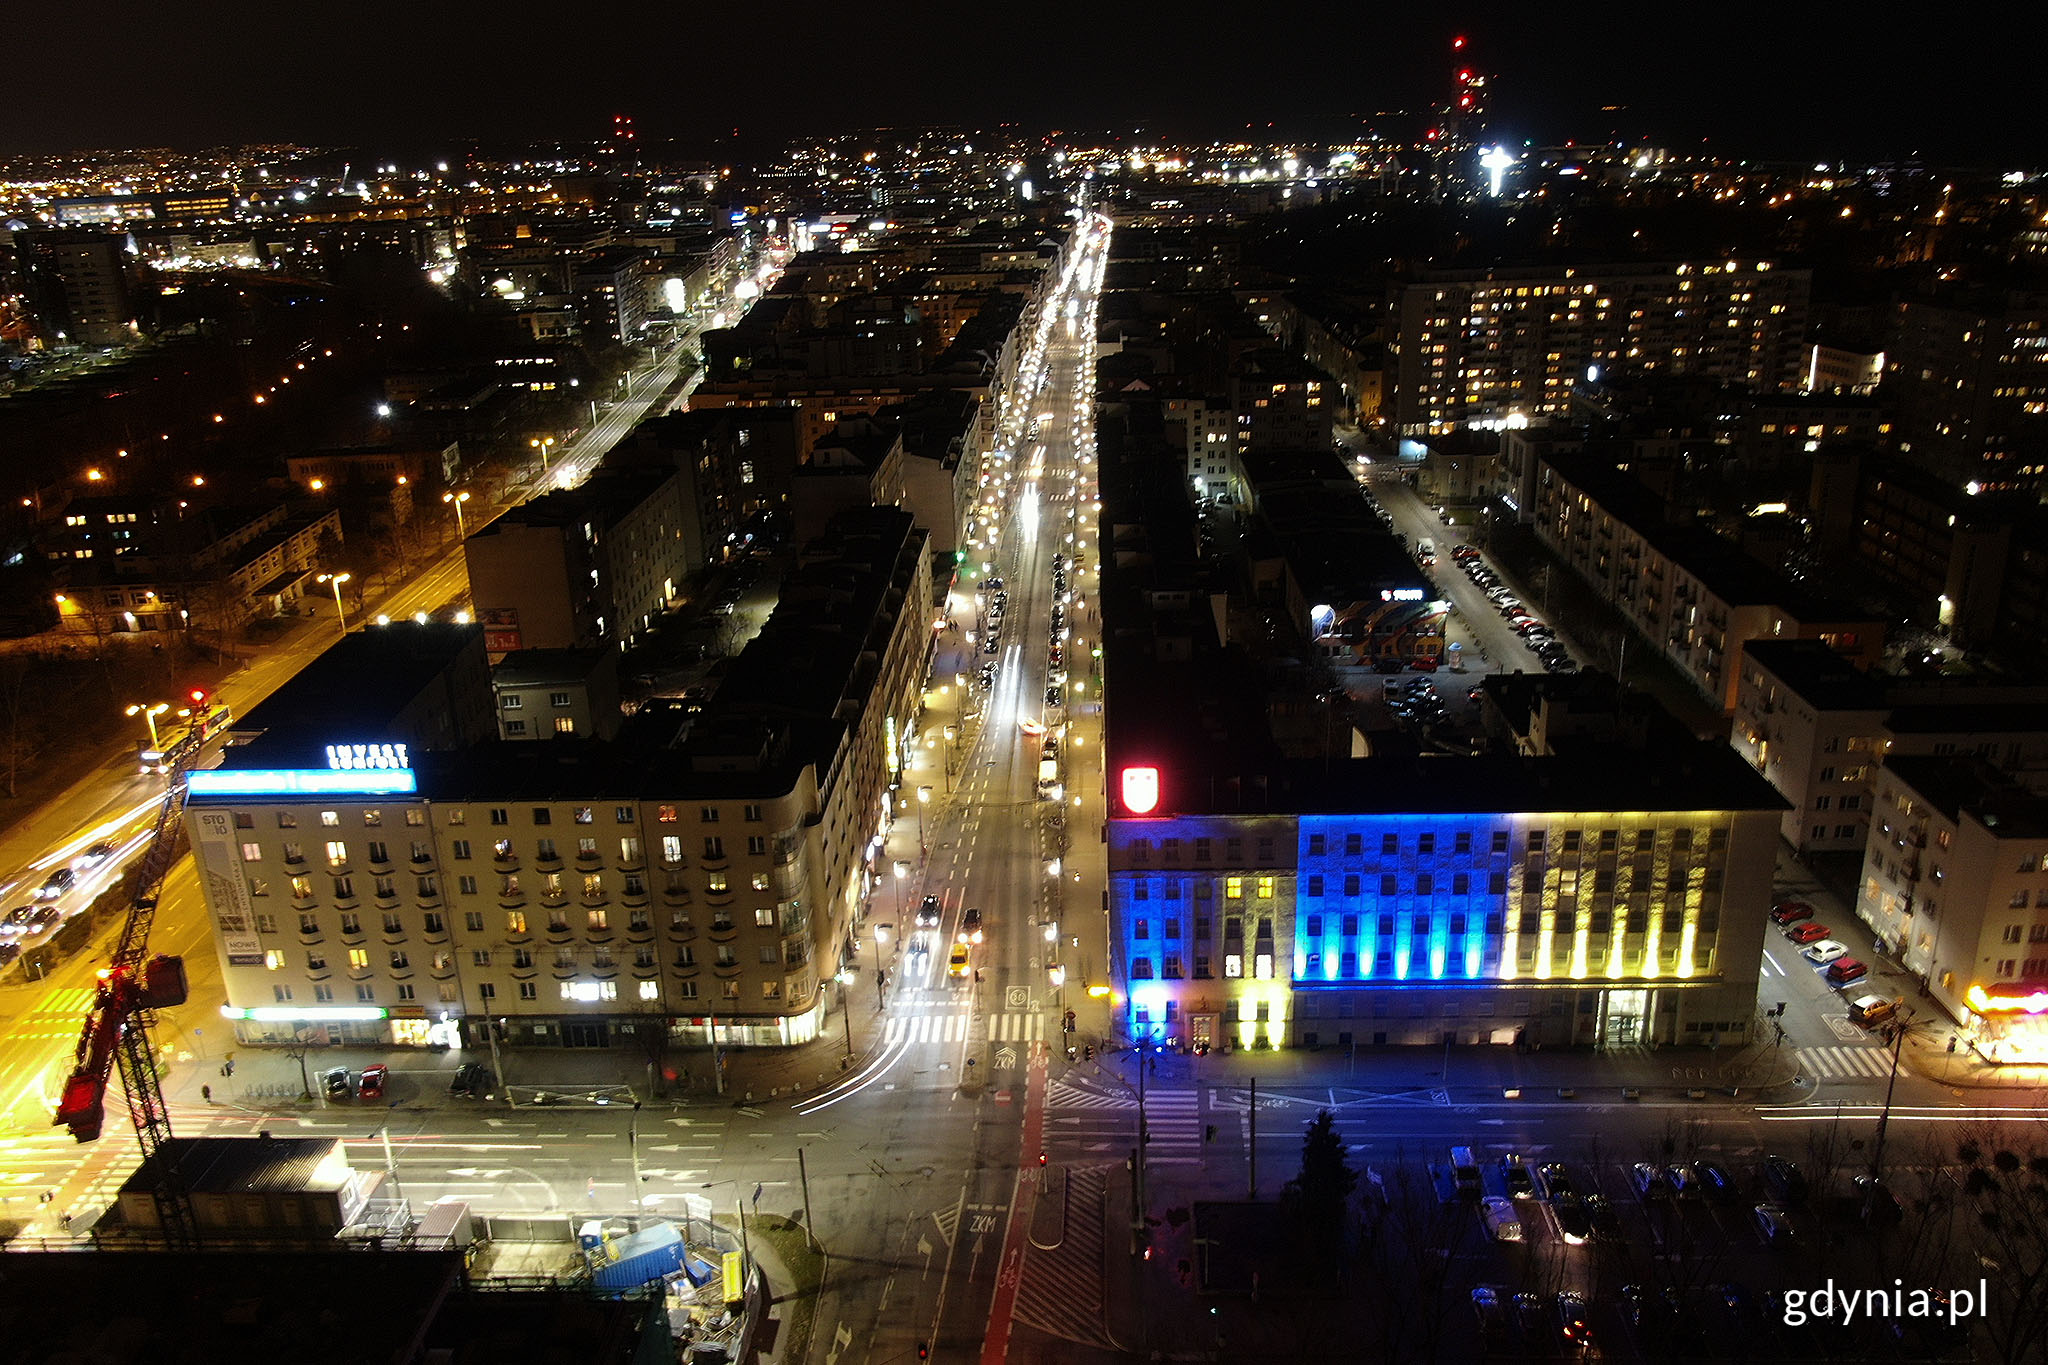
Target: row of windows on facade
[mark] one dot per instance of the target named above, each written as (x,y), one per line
(571,991)
(544,850)
(373,816)
(598,920)
(523,959)
(1426,843)
(1570,882)
(513,701)
(1385,962)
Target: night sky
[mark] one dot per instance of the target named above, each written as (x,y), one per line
(1797,79)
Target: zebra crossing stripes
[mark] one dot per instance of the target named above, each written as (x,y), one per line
(1844,1062)
(1173,1118)
(927,1028)
(71,1002)
(956,1025)
(1060,1095)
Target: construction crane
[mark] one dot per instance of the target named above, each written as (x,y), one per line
(132,987)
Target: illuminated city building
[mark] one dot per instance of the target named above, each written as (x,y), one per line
(1955,883)
(1508,344)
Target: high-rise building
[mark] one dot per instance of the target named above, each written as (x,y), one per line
(1507,345)
(78,287)
(1970,376)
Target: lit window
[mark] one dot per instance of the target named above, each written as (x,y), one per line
(1233,888)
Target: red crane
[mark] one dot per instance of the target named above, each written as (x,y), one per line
(132,987)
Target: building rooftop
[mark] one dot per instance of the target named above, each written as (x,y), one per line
(1966,786)
(1817,675)
(251,1165)
(531,667)
(361,682)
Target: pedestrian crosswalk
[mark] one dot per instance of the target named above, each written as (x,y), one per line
(956,1025)
(1173,1118)
(1853,1060)
(1060,1095)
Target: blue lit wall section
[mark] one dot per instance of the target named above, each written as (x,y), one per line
(1394,855)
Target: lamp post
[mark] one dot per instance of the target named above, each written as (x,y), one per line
(337,579)
(149,715)
(902,871)
(952,749)
(543,444)
(924,796)
(456,500)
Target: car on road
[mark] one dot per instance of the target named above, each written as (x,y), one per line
(1514,1174)
(1786,912)
(335,1080)
(371,1084)
(956,963)
(57,883)
(1052,695)
(1574,1332)
(94,856)
(970,924)
(9,952)
(42,915)
(1807,932)
(471,1080)
(928,912)
(17,920)
(1825,951)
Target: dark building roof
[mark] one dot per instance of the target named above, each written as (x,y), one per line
(364,680)
(241,1165)
(1967,786)
(1819,676)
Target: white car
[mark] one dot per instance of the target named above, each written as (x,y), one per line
(1824,952)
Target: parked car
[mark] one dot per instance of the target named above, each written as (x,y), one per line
(1867,1010)
(471,1080)
(1843,970)
(1490,1307)
(1785,912)
(1880,1207)
(336,1082)
(1827,950)
(1650,1182)
(1514,1174)
(1573,1223)
(1716,1181)
(1683,1183)
(1556,1181)
(1807,932)
(1501,1220)
(370,1085)
(1783,1180)
(1773,1226)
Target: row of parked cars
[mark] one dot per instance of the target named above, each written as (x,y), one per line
(1542,641)
(1829,954)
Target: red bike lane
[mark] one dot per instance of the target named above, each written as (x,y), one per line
(995,1346)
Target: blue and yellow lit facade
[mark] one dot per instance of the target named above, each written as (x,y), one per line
(1384,927)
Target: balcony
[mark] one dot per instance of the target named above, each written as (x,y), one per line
(726,971)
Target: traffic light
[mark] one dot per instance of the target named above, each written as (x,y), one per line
(924,1350)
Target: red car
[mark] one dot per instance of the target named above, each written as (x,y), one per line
(1808,932)
(1843,970)
(371,1084)
(1785,912)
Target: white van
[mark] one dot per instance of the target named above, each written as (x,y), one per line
(1502,1221)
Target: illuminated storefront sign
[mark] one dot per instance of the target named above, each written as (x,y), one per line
(302,782)
(1140,790)
(336,1014)
(1984,1002)
(358,757)
(1400,594)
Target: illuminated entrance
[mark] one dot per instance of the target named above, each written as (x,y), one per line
(1624,1018)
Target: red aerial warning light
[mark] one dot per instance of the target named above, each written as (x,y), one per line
(1458,42)
(1140,788)
(1465,75)
(198,696)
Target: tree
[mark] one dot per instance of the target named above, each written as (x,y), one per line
(24,711)
(1316,1200)
(2004,1198)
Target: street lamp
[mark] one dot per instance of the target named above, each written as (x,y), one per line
(149,715)
(456,500)
(337,579)
(924,796)
(902,871)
